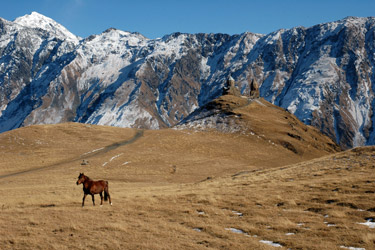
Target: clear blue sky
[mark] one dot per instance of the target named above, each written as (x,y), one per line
(155,18)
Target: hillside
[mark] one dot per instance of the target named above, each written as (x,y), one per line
(177,188)
(322,74)
(226,135)
(261,121)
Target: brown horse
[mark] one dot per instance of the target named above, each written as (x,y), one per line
(94,187)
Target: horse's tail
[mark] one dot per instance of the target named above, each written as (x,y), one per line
(106,191)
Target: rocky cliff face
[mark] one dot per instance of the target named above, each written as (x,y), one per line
(323,74)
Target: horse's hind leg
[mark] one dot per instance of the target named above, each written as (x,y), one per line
(101,198)
(106,195)
(109,198)
(93,199)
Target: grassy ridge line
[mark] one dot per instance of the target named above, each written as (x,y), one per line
(90,155)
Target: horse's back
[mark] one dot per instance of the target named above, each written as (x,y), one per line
(103,183)
(98,186)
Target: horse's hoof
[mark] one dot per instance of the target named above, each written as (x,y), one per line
(111,203)
(101,205)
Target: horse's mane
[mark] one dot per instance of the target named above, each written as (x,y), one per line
(86,177)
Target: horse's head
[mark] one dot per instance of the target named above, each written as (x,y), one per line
(81,178)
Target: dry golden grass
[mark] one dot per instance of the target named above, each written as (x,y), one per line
(179,190)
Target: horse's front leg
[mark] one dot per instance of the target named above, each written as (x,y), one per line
(83,200)
(101,199)
(93,199)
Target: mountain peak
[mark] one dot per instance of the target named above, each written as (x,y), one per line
(37,20)
(37,15)
(356,20)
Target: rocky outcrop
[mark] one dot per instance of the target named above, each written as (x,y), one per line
(254,89)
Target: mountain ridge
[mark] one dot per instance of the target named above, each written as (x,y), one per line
(322,74)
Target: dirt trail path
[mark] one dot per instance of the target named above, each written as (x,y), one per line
(103,150)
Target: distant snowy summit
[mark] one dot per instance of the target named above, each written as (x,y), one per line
(36,20)
(323,74)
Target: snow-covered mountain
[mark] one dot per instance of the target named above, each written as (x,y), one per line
(323,74)
(36,20)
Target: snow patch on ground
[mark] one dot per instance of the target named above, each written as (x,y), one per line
(270,243)
(93,151)
(353,248)
(114,157)
(370,223)
(237,213)
(237,231)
